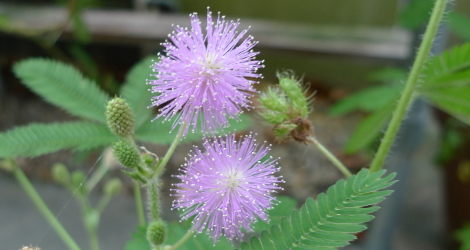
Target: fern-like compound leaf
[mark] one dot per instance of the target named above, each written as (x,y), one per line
(38,139)
(136,91)
(452,68)
(332,220)
(64,86)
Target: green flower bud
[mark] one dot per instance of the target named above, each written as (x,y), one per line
(157,232)
(273,117)
(78,179)
(282,131)
(126,153)
(113,187)
(120,118)
(274,99)
(296,95)
(60,174)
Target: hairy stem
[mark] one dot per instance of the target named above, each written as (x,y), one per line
(138,203)
(410,86)
(338,164)
(42,207)
(154,199)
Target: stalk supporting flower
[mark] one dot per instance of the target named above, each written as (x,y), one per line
(227,187)
(410,86)
(202,78)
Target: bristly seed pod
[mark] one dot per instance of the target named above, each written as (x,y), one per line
(157,232)
(120,117)
(126,153)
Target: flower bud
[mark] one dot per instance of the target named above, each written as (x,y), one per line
(157,232)
(61,174)
(113,187)
(274,99)
(296,95)
(120,118)
(78,179)
(283,131)
(126,153)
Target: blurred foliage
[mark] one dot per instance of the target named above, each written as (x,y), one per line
(459,24)
(416,13)
(445,84)
(463,235)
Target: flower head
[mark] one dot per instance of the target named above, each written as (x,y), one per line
(227,187)
(202,77)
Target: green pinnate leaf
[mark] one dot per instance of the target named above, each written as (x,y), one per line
(37,139)
(331,221)
(64,86)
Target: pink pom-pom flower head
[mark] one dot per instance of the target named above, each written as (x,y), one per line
(202,78)
(227,187)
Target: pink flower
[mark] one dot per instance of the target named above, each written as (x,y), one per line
(202,78)
(227,187)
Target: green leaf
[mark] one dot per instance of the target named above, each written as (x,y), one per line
(451,68)
(139,240)
(37,139)
(459,24)
(136,91)
(284,208)
(64,86)
(416,13)
(158,132)
(371,99)
(455,101)
(324,224)
(369,129)
(446,82)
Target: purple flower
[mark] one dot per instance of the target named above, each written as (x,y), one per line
(202,77)
(227,187)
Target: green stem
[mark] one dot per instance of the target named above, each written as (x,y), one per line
(171,150)
(104,201)
(410,86)
(182,240)
(138,203)
(42,207)
(93,238)
(154,199)
(338,164)
(100,172)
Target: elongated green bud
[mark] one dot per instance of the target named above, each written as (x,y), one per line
(113,187)
(157,232)
(273,99)
(120,117)
(61,174)
(126,153)
(294,92)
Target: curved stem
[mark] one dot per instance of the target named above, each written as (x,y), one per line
(42,207)
(171,150)
(410,86)
(138,203)
(338,164)
(182,240)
